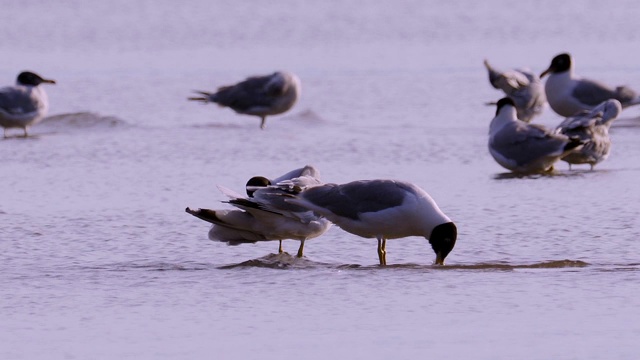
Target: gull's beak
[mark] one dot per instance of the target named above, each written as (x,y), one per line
(48,81)
(439,259)
(546,72)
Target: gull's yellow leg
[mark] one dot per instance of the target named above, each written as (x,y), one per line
(384,251)
(280,251)
(301,248)
(382,244)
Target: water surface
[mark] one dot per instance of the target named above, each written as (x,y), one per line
(99,259)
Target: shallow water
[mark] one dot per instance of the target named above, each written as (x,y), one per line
(99,260)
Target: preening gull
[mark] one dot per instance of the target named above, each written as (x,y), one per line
(258,95)
(523,87)
(24,104)
(569,94)
(593,128)
(382,209)
(265,215)
(522,147)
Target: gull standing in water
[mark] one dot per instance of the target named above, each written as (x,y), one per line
(593,128)
(259,95)
(522,147)
(523,87)
(24,104)
(265,215)
(569,94)
(382,209)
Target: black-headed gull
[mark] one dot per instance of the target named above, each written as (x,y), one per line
(523,87)
(264,214)
(569,94)
(522,147)
(258,95)
(593,128)
(24,104)
(382,209)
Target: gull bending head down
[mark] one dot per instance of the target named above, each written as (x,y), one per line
(258,95)
(382,209)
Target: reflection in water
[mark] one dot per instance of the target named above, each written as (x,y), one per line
(553,174)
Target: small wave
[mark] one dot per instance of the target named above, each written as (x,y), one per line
(285,261)
(150,266)
(213,125)
(553,174)
(306,117)
(552,264)
(81,120)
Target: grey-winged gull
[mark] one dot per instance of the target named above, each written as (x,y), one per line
(523,87)
(522,147)
(382,209)
(265,215)
(569,94)
(25,103)
(593,128)
(258,95)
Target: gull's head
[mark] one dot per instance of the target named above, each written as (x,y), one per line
(504,103)
(256,183)
(29,78)
(443,239)
(560,63)
(612,109)
(290,80)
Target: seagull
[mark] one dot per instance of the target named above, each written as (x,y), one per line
(569,94)
(382,209)
(265,215)
(522,147)
(593,128)
(24,104)
(258,95)
(523,87)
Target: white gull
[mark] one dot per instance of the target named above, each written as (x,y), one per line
(592,127)
(523,87)
(265,215)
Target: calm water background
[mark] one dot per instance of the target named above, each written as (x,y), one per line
(99,261)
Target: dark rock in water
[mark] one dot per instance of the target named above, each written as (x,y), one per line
(274,261)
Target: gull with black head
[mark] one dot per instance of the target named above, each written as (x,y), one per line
(382,209)
(569,94)
(525,148)
(25,103)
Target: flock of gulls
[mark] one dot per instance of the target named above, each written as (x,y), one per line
(299,206)
(589,106)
